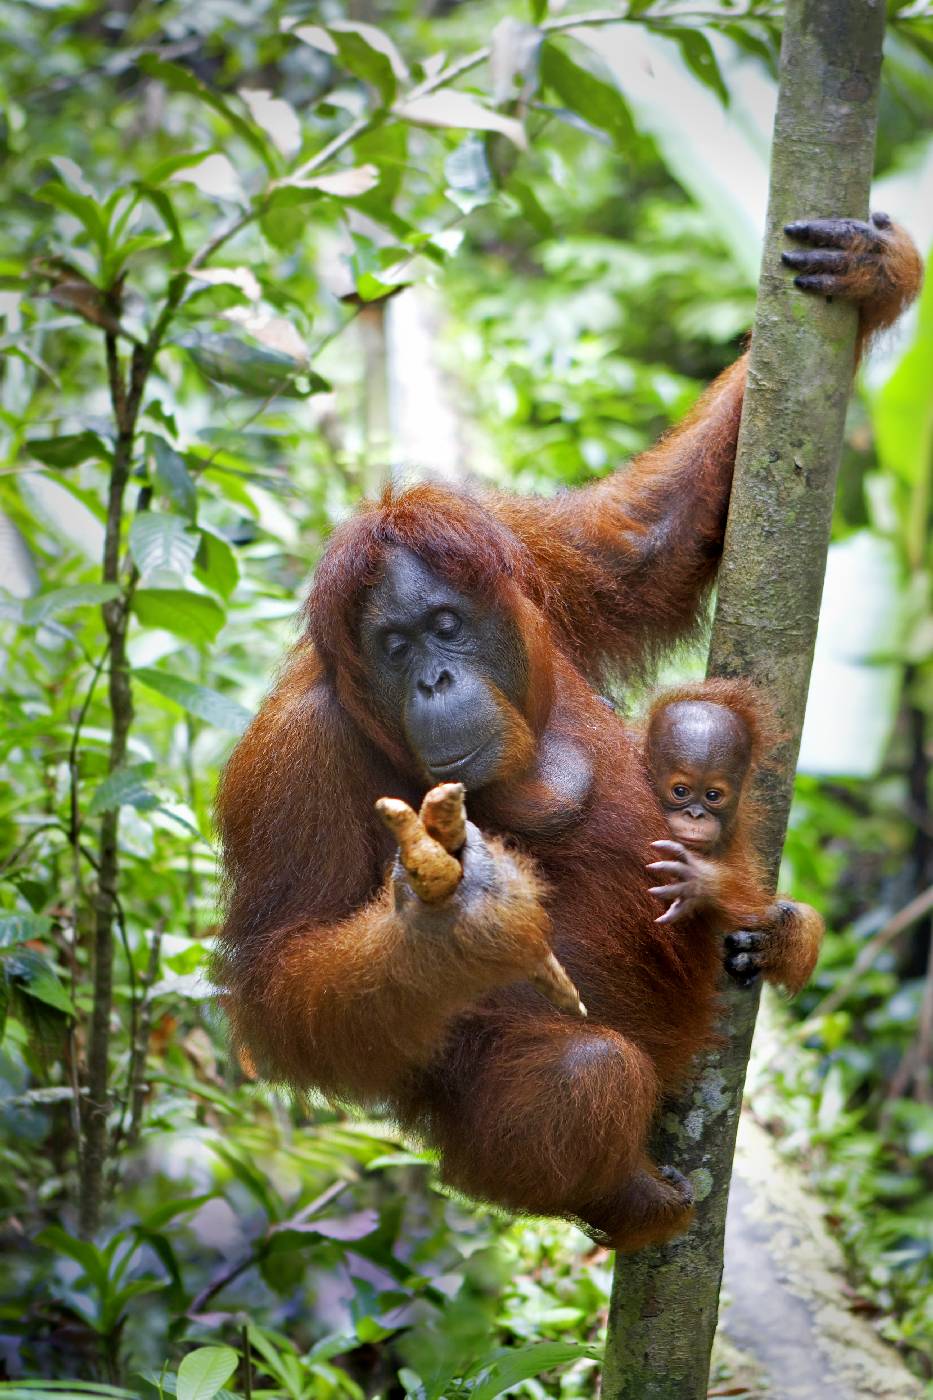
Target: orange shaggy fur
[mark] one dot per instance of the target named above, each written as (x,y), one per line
(327,984)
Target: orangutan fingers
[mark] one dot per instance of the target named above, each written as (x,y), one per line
(836,233)
(684,887)
(672,848)
(680,869)
(672,915)
(816,259)
(443,813)
(432,872)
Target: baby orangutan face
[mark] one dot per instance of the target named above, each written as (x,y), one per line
(699,754)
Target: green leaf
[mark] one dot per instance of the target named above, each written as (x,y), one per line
(161,543)
(524,1363)
(20,928)
(125,787)
(117,258)
(180,80)
(68,449)
(370,54)
(215,564)
(252,370)
(449,108)
(34,976)
(82,207)
(200,700)
(173,476)
(58,600)
(205,1371)
(193,616)
(597,102)
(699,57)
(532,208)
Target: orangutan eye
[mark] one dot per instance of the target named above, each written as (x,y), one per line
(713,796)
(680,791)
(395,646)
(446,624)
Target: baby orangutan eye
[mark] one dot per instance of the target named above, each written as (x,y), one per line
(714,796)
(680,791)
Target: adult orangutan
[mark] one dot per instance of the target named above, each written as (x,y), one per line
(453,637)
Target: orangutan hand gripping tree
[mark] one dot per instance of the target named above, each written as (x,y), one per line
(703,744)
(455,638)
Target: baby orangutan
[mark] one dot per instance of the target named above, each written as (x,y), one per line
(703,743)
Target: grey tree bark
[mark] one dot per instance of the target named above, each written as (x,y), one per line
(665,1300)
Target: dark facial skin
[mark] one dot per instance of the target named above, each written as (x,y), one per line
(432,653)
(699,754)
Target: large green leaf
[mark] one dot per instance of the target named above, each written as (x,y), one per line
(200,700)
(204,1372)
(700,59)
(524,1363)
(125,787)
(193,616)
(215,564)
(597,102)
(252,369)
(162,544)
(20,928)
(42,606)
(370,54)
(67,449)
(173,476)
(35,976)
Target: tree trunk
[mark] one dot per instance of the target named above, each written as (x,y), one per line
(665,1301)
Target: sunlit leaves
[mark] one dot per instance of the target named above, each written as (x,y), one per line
(204,1372)
(450,108)
(276,117)
(365,50)
(161,544)
(213,175)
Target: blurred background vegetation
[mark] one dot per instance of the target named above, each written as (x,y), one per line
(210,211)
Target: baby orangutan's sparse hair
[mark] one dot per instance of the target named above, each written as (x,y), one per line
(703,745)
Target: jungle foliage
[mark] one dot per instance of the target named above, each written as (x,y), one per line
(208,208)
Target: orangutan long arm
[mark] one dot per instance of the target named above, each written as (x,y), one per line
(351,1007)
(628,560)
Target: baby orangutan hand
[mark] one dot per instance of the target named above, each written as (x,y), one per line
(695,881)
